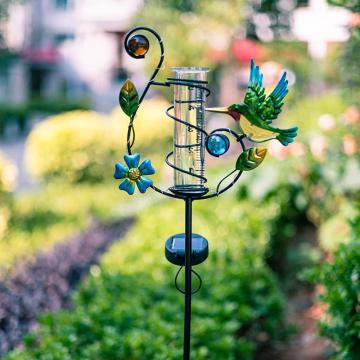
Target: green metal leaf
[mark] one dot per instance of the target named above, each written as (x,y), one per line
(129,98)
(250,159)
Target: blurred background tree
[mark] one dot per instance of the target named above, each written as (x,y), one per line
(271,19)
(4,6)
(349,61)
(208,35)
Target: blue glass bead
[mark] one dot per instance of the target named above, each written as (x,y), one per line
(217,144)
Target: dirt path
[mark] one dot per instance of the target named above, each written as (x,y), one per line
(304,312)
(46,284)
(302,309)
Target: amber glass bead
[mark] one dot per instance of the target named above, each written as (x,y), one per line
(138,45)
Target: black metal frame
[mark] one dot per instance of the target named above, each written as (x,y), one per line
(187,196)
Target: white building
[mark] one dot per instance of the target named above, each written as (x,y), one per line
(70,47)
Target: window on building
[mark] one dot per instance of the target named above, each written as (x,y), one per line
(62,4)
(61,37)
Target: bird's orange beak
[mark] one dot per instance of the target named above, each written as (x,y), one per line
(223,110)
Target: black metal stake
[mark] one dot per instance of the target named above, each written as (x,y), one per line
(188,291)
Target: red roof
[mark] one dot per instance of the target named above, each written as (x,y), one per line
(246,49)
(38,55)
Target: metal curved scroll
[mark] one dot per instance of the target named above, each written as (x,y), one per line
(131,131)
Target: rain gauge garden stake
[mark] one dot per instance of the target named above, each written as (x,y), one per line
(191,140)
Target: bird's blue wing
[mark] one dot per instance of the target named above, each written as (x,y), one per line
(271,107)
(255,93)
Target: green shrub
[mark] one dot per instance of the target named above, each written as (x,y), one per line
(19,113)
(53,213)
(7,185)
(153,128)
(341,280)
(75,146)
(56,105)
(321,166)
(7,175)
(130,309)
(82,146)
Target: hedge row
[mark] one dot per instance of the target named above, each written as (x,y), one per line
(130,309)
(7,184)
(341,280)
(82,146)
(19,113)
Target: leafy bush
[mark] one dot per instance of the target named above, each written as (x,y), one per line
(56,105)
(153,128)
(49,215)
(75,146)
(83,146)
(129,308)
(348,65)
(19,113)
(341,280)
(321,167)
(7,175)
(7,184)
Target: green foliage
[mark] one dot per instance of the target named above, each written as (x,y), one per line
(129,308)
(7,184)
(292,55)
(313,183)
(56,105)
(275,13)
(336,229)
(42,218)
(196,21)
(352,5)
(321,164)
(129,98)
(83,146)
(68,202)
(349,68)
(4,5)
(341,280)
(7,175)
(75,146)
(349,64)
(19,113)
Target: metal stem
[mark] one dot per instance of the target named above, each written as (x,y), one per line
(188,291)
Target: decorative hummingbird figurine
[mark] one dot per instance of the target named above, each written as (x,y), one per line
(259,111)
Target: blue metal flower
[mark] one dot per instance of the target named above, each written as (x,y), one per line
(134,174)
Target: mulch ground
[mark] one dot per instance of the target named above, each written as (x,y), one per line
(47,282)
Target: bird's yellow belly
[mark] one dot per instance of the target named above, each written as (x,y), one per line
(254,132)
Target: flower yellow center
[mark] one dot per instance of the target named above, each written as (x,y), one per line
(134,174)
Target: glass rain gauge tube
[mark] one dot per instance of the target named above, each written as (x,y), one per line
(189,140)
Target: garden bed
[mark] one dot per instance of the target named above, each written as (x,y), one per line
(46,283)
